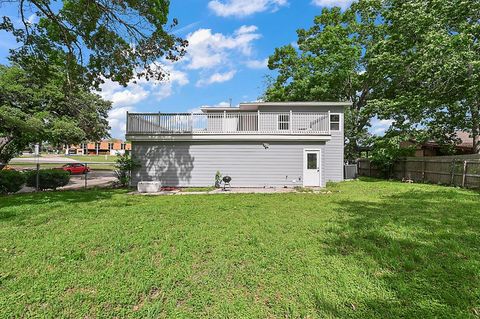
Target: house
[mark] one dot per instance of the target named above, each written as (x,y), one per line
(463,146)
(257,144)
(106,147)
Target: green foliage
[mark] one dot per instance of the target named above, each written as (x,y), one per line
(124,167)
(218,179)
(431,63)
(11,181)
(387,150)
(95,40)
(39,110)
(370,249)
(332,63)
(48,178)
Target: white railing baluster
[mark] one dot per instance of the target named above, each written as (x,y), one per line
(229,123)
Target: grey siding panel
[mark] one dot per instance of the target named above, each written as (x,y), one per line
(334,157)
(248,163)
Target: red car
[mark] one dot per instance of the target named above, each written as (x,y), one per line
(76,168)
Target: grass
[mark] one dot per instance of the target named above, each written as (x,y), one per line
(368,249)
(94,158)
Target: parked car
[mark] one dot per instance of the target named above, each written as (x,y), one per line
(76,168)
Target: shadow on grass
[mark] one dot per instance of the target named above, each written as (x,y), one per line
(421,245)
(19,205)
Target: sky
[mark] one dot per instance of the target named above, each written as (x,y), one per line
(229,44)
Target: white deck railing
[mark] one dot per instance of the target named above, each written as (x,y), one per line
(310,123)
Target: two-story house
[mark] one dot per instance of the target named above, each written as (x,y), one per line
(261,144)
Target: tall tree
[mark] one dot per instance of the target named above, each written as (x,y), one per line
(332,63)
(94,39)
(32,110)
(431,63)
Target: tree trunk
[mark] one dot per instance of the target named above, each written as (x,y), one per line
(5,155)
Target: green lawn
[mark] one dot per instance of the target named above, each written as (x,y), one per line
(368,249)
(94,158)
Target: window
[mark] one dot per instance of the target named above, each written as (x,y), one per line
(122,146)
(110,146)
(97,145)
(283,122)
(334,122)
(312,161)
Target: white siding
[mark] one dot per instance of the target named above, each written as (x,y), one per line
(248,163)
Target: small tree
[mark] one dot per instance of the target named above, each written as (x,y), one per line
(387,150)
(125,164)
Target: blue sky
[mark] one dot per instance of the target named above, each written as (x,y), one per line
(230,41)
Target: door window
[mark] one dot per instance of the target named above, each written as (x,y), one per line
(312,161)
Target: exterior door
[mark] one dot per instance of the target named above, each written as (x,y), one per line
(311,168)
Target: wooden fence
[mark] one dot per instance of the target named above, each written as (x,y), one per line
(460,170)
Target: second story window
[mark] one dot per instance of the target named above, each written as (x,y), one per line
(110,146)
(122,146)
(283,122)
(334,122)
(97,145)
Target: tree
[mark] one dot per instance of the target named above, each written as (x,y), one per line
(431,63)
(94,39)
(32,110)
(332,63)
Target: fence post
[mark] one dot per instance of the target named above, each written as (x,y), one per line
(423,171)
(452,179)
(404,168)
(464,173)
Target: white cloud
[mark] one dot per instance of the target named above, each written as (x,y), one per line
(379,127)
(217,78)
(207,50)
(125,98)
(257,64)
(242,8)
(116,120)
(344,4)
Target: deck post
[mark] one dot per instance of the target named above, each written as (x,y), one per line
(291,122)
(126,123)
(258,121)
(191,122)
(224,122)
(328,122)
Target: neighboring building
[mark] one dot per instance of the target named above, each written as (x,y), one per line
(111,147)
(257,144)
(433,148)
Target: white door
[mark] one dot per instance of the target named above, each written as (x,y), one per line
(311,168)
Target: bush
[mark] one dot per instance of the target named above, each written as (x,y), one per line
(48,178)
(124,166)
(11,181)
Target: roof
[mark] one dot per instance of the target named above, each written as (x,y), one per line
(252,106)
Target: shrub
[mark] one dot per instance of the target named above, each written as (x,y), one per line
(124,165)
(11,181)
(48,178)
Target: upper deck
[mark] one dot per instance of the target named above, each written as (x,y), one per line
(248,119)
